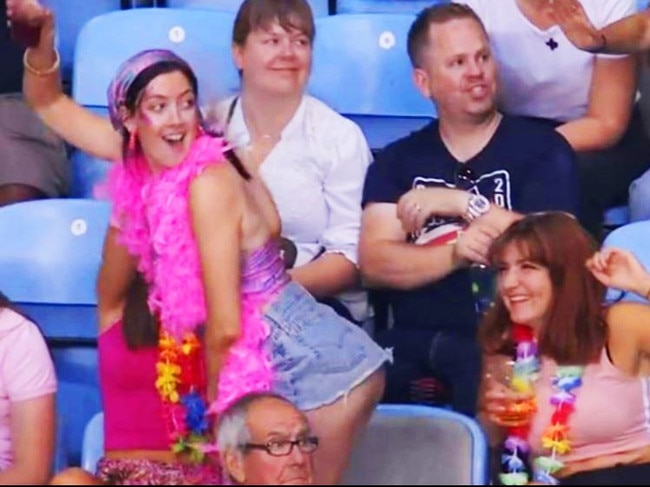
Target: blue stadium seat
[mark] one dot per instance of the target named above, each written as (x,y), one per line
(93,443)
(616,216)
(88,172)
(200,37)
(49,257)
(318,7)
(361,69)
(634,237)
(419,445)
(384,6)
(70,19)
(60,461)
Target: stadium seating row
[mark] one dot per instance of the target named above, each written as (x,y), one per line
(374,70)
(49,267)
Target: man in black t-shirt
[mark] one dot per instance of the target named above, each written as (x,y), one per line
(434,202)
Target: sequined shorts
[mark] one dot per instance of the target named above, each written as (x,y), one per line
(124,471)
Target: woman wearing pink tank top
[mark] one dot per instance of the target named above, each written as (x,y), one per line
(566,390)
(204,233)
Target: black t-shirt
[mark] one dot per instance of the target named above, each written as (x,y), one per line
(11,59)
(526,167)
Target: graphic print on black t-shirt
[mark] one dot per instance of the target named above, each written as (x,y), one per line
(438,230)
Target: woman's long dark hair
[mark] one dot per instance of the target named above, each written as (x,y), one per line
(139,326)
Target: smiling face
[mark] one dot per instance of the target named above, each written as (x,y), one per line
(275,60)
(274,420)
(525,287)
(166,119)
(457,70)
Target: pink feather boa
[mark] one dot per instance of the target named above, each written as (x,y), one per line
(153,214)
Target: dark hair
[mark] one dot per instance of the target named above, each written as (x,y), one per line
(139,326)
(290,14)
(418,36)
(576,331)
(134,94)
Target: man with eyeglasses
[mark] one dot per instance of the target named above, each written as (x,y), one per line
(436,199)
(264,439)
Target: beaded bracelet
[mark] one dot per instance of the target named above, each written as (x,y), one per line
(45,72)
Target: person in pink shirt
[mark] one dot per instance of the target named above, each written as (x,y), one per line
(566,386)
(27,404)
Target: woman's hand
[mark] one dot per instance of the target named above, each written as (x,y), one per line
(28,12)
(504,407)
(31,15)
(577,27)
(620,269)
(473,243)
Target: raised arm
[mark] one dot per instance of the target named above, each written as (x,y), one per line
(217,208)
(620,269)
(611,98)
(42,89)
(629,35)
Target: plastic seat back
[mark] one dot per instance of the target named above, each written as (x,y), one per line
(384,6)
(318,7)
(201,37)
(93,443)
(419,445)
(49,258)
(70,20)
(361,69)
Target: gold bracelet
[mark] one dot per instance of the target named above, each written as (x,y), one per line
(45,72)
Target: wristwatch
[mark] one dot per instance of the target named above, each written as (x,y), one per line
(477,205)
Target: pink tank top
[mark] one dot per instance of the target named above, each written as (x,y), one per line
(132,406)
(612,412)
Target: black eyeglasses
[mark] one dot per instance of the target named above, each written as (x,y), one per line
(282,448)
(465,176)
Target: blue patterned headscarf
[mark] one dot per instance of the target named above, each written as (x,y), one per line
(128,72)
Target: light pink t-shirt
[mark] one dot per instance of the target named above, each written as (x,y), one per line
(26,372)
(612,412)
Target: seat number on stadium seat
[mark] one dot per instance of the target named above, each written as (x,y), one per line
(78,227)
(386,40)
(177,34)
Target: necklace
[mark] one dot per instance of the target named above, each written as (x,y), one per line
(515,464)
(181,384)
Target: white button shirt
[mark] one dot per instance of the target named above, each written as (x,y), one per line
(315,174)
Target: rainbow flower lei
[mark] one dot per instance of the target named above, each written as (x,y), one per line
(181,384)
(516,449)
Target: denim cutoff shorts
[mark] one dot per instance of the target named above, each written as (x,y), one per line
(317,356)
